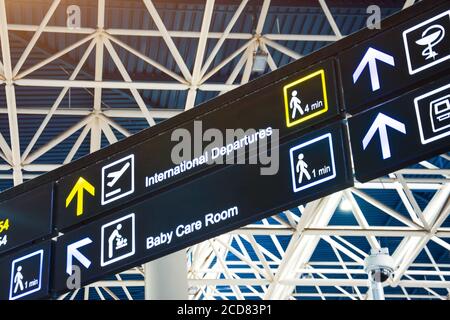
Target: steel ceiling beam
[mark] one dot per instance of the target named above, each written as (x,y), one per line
(10,97)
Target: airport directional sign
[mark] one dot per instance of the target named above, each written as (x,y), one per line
(26,218)
(403,131)
(310,166)
(298,97)
(397,59)
(293,103)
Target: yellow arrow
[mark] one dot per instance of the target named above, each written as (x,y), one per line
(78,190)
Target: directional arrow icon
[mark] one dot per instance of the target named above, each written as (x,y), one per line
(72,252)
(381,122)
(78,190)
(370,58)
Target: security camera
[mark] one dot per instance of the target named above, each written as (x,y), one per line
(379,265)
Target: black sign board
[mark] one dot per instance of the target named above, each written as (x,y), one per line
(310,167)
(294,103)
(25,274)
(397,59)
(116,206)
(403,131)
(25,218)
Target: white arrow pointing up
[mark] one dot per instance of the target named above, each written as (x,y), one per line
(72,252)
(370,58)
(381,122)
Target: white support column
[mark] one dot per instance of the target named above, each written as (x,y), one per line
(166,278)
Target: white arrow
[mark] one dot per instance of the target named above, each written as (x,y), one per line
(381,122)
(370,58)
(72,252)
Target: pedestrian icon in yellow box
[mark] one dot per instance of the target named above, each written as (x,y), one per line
(305,98)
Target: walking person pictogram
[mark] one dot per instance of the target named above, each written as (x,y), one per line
(301,168)
(18,279)
(25,276)
(295,104)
